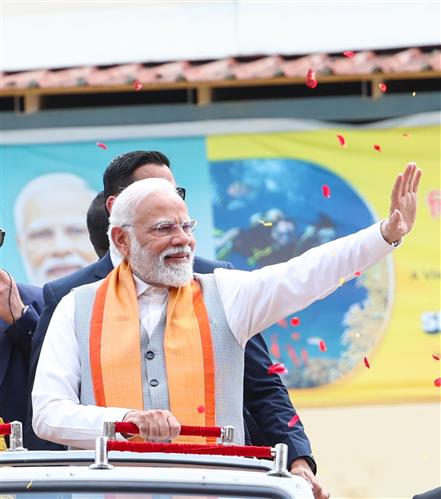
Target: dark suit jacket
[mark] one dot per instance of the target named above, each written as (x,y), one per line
(15,348)
(267,405)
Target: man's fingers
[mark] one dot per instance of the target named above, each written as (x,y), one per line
(175,427)
(416,180)
(406,178)
(164,429)
(396,191)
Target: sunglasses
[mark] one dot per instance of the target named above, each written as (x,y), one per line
(181,192)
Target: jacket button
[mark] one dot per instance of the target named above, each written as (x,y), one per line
(154,382)
(149,355)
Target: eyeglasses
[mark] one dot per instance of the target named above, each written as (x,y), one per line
(165,229)
(181,192)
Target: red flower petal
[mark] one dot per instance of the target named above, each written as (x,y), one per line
(275,349)
(382,87)
(295,321)
(437,382)
(342,140)
(295,336)
(357,274)
(277,368)
(366,362)
(311,80)
(138,85)
(436,357)
(326,191)
(293,356)
(201,409)
(348,53)
(100,144)
(322,346)
(295,419)
(282,323)
(305,356)
(377,147)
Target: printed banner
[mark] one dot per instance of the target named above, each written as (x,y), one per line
(261,198)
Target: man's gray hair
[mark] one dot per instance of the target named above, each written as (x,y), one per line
(126,204)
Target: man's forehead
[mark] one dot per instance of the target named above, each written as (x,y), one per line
(162,206)
(152,170)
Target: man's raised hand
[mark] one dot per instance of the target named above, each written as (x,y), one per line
(403,205)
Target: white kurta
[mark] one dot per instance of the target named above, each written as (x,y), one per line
(252,302)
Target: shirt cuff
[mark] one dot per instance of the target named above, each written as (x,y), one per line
(27,323)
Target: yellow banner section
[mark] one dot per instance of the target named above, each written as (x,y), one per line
(403,368)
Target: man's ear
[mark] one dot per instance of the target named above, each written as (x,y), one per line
(109,203)
(121,240)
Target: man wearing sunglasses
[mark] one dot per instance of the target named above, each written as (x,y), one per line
(262,392)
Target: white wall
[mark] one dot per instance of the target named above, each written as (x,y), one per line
(36,34)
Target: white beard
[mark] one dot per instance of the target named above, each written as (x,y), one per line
(151,268)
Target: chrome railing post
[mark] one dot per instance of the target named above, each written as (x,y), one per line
(101,456)
(280,465)
(16,437)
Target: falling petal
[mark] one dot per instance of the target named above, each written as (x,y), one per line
(293,356)
(383,87)
(295,336)
(322,346)
(377,147)
(342,140)
(283,323)
(277,368)
(305,356)
(436,357)
(326,191)
(366,362)
(341,281)
(357,274)
(293,421)
(437,382)
(138,85)
(295,321)
(201,409)
(348,53)
(275,348)
(311,80)
(100,144)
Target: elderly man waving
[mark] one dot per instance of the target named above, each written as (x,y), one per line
(153,342)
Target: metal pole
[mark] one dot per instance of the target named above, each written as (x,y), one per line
(227,435)
(16,437)
(101,457)
(109,430)
(280,465)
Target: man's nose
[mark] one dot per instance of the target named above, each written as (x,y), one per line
(180,237)
(61,244)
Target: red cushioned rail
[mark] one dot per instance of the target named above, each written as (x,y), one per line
(5,429)
(201,431)
(221,450)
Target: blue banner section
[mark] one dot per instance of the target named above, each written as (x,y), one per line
(43,210)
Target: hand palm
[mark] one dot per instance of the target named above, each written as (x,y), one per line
(403,203)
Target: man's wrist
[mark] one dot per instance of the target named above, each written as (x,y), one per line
(305,460)
(386,236)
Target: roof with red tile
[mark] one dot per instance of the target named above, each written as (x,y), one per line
(410,60)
